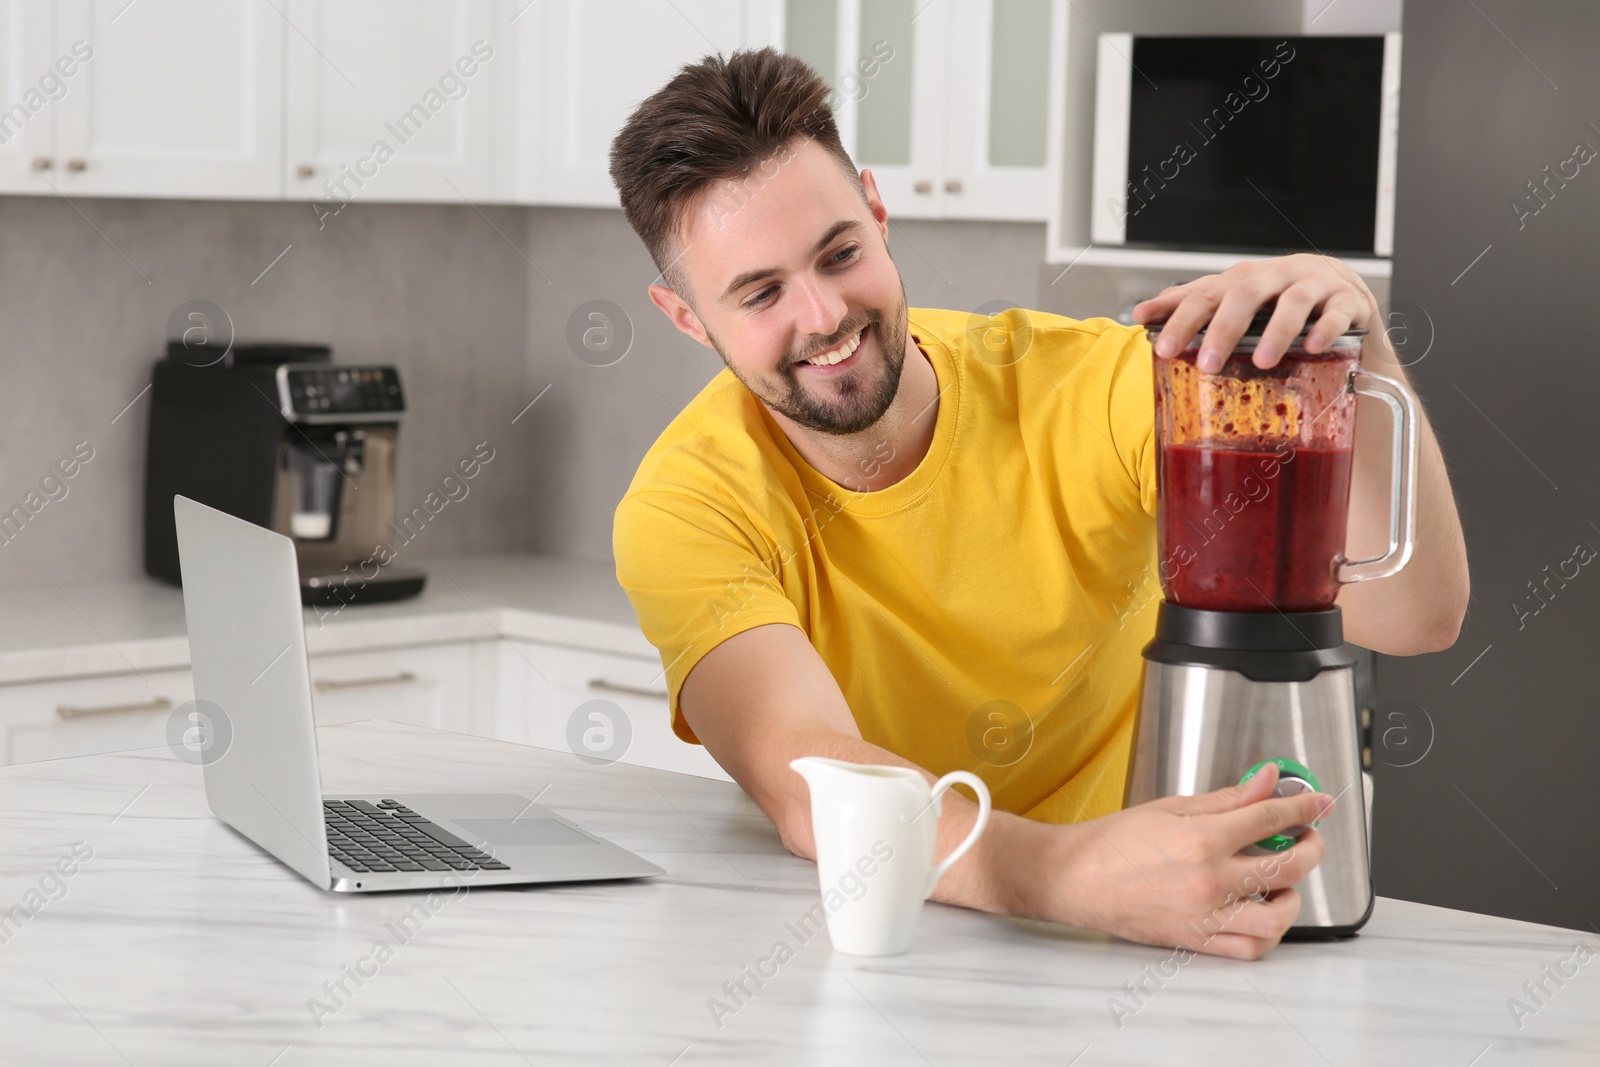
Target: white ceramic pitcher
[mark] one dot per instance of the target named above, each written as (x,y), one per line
(875,828)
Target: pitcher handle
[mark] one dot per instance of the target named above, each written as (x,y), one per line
(1402,480)
(978,825)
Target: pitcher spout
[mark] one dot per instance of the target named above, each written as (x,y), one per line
(818,769)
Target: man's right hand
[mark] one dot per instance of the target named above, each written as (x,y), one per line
(1170,872)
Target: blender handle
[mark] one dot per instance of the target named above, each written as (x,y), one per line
(1402,482)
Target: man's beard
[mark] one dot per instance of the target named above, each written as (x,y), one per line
(851,402)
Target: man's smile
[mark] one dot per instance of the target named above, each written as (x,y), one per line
(839,359)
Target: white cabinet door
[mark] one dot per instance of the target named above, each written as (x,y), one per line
(181,99)
(30,86)
(597,705)
(433,685)
(82,716)
(586,64)
(391,100)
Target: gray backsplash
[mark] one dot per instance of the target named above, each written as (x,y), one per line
(1084,291)
(471,303)
(90,285)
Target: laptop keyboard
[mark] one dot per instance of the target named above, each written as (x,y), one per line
(388,836)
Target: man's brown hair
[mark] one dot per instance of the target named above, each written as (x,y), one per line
(716,120)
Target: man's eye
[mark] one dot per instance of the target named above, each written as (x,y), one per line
(844,255)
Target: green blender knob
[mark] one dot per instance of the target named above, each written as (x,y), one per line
(1294,778)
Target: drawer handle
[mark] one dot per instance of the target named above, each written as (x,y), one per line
(324,685)
(632,690)
(66,711)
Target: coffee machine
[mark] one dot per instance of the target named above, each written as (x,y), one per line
(279,435)
(1248,664)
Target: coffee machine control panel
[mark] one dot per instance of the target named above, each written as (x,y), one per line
(323,392)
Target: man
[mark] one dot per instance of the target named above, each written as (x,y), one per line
(881,534)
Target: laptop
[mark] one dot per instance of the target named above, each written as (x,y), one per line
(241,598)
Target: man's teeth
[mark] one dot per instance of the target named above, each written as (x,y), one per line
(828,359)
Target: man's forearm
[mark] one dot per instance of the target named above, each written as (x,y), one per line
(1420,609)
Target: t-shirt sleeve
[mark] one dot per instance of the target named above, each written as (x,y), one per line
(1133,426)
(696,578)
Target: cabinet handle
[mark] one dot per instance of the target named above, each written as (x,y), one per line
(632,690)
(68,712)
(324,685)
(923,186)
(953,185)
(305,170)
(77,164)
(41,162)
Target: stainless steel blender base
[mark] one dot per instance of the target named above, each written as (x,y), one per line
(1202,728)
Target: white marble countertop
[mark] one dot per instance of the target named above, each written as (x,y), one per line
(178,942)
(67,631)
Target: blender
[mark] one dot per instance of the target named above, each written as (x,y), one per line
(1248,664)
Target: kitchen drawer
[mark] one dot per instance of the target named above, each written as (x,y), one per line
(433,685)
(543,688)
(82,716)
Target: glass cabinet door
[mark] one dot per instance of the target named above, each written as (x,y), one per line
(27,127)
(946,103)
(995,164)
(885,62)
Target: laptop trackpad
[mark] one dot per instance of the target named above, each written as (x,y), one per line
(516,832)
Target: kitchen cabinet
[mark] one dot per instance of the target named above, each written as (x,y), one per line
(252,99)
(331,101)
(511,689)
(29,87)
(390,100)
(181,98)
(447,687)
(601,706)
(946,104)
(53,720)
(584,65)
(510,647)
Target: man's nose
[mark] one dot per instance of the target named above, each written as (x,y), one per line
(825,310)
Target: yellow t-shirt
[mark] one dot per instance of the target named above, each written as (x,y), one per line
(987,611)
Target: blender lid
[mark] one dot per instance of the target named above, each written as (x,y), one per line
(1258,325)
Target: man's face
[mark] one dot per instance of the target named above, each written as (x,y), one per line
(785,266)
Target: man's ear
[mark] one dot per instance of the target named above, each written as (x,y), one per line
(678,311)
(869,185)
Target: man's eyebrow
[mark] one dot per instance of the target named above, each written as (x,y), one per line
(766,272)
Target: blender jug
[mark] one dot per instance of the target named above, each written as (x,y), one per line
(1253,474)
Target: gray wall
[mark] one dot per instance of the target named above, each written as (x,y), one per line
(473,307)
(1497,816)
(88,289)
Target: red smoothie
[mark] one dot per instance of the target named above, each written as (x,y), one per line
(1252,531)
